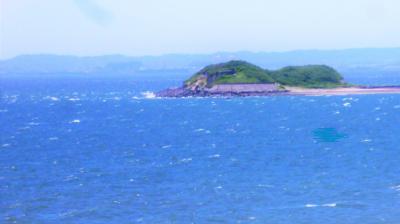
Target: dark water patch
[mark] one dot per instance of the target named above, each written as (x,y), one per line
(328,135)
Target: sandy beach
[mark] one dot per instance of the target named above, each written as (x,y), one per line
(344,91)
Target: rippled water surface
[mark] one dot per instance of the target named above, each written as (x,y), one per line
(95,151)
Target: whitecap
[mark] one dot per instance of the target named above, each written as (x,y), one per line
(12,98)
(5,145)
(186,160)
(199,129)
(214,156)
(52,98)
(396,188)
(329,205)
(366,140)
(166,146)
(76,121)
(397,107)
(148,95)
(311,205)
(347,104)
(265,185)
(74,99)
(53,138)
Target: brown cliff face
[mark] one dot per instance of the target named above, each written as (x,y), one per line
(198,84)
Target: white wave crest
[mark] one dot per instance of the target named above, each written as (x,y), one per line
(214,156)
(347,104)
(329,205)
(52,98)
(321,205)
(148,95)
(76,121)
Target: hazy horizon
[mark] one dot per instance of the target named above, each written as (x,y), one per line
(201,54)
(151,28)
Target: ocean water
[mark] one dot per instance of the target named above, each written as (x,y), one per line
(94,150)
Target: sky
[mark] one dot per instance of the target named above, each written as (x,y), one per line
(155,27)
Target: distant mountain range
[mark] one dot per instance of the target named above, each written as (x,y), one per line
(367,60)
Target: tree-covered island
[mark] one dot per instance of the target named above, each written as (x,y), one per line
(240,78)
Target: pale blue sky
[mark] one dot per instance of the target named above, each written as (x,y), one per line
(153,27)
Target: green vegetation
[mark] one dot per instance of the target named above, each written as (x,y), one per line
(309,76)
(232,72)
(240,72)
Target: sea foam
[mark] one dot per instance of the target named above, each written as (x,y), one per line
(148,95)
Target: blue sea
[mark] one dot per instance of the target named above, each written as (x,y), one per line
(94,150)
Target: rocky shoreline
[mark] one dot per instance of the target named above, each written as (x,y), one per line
(182,92)
(224,90)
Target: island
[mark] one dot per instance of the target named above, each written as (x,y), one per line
(241,78)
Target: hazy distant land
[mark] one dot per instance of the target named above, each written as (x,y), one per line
(361,61)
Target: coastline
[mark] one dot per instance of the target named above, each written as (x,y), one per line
(237,78)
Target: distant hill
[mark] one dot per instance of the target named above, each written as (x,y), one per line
(345,61)
(44,64)
(310,76)
(242,72)
(230,72)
